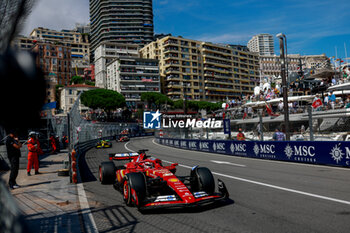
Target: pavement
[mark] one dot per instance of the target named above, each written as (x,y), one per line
(50,203)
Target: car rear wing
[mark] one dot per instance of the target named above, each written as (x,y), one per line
(123,156)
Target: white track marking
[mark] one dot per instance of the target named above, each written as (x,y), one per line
(284,189)
(274,186)
(260,160)
(89,221)
(125,145)
(228,163)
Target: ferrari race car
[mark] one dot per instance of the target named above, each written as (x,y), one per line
(103,144)
(123,139)
(146,183)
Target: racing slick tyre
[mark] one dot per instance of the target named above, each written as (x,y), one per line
(107,172)
(202,180)
(134,188)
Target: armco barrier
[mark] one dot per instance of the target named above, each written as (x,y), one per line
(334,153)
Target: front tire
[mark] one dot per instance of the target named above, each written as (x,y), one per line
(107,172)
(134,188)
(202,180)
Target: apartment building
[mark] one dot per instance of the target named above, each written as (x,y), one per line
(203,71)
(105,53)
(69,94)
(55,62)
(133,76)
(79,43)
(262,44)
(271,65)
(54,59)
(127,22)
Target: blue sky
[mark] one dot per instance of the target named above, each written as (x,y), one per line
(311,27)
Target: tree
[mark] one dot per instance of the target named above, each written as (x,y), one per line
(76,80)
(155,98)
(89,83)
(197,105)
(101,98)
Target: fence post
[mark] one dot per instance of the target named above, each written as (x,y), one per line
(261,128)
(310,123)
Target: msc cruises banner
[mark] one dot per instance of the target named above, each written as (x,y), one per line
(318,152)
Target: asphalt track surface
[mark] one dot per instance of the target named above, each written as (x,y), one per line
(265,196)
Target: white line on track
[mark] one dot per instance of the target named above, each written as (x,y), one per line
(89,221)
(227,163)
(271,186)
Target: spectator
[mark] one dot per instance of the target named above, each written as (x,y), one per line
(13,147)
(334,82)
(332,99)
(280,106)
(278,135)
(240,136)
(325,101)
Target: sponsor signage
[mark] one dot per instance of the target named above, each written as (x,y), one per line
(328,153)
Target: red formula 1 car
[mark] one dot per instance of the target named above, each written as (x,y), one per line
(146,183)
(123,139)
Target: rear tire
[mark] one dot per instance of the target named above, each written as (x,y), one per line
(107,172)
(202,180)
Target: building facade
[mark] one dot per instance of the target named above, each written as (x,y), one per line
(54,59)
(118,21)
(79,43)
(203,71)
(55,62)
(271,65)
(133,76)
(89,73)
(262,44)
(105,53)
(69,94)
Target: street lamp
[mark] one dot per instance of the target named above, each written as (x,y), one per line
(284,84)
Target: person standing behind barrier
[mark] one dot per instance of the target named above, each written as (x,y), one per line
(278,135)
(325,101)
(332,99)
(33,160)
(240,136)
(13,147)
(53,144)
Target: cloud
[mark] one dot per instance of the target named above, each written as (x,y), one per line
(53,14)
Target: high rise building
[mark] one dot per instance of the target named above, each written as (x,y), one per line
(262,44)
(133,76)
(105,53)
(203,71)
(120,21)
